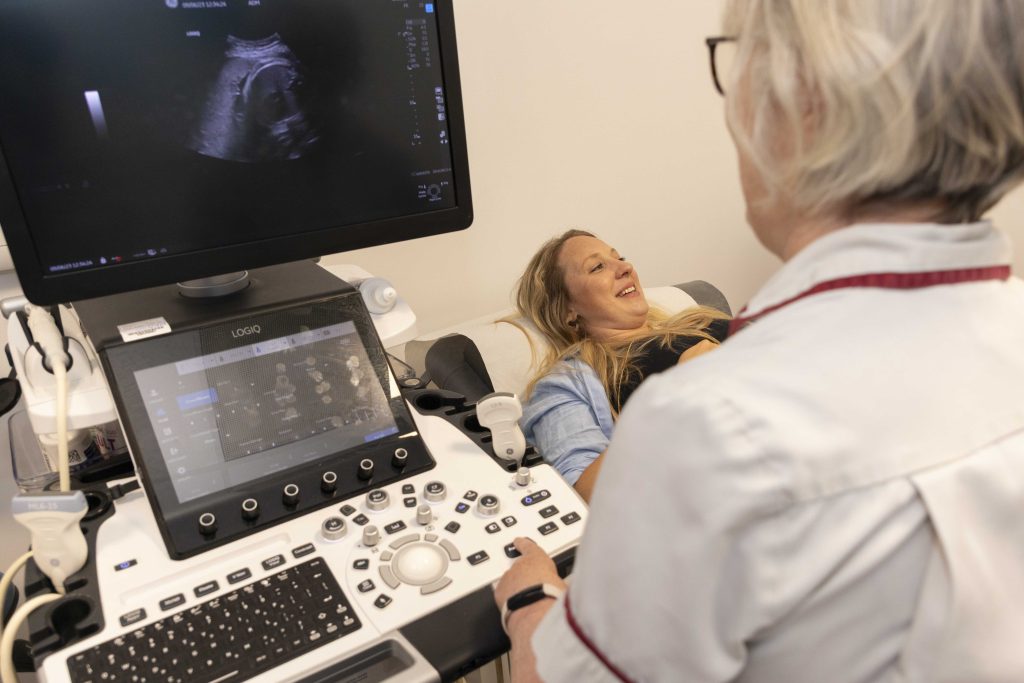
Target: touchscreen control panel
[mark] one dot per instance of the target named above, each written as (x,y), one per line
(242,424)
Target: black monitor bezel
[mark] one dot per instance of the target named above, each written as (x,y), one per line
(43,288)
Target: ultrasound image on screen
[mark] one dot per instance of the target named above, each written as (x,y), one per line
(229,417)
(300,392)
(192,124)
(255,110)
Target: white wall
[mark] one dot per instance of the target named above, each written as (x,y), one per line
(593,114)
(1009,215)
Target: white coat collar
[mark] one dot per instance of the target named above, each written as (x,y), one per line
(884,248)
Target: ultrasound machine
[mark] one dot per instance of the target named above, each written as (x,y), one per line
(292,511)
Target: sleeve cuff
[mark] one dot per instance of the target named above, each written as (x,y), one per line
(562,656)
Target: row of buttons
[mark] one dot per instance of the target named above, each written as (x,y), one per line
(435,491)
(208,587)
(250,508)
(544,529)
(493,527)
(367,585)
(378,500)
(363,520)
(551,527)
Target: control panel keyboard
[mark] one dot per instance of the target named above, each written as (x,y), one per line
(234,636)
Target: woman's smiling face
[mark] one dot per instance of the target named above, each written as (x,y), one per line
(605,295)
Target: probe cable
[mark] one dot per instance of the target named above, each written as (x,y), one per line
(51,341)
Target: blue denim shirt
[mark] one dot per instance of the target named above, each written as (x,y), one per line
(568,418)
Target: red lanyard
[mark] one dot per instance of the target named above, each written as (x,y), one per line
(883,281)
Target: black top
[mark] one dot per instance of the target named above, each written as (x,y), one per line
(653,358)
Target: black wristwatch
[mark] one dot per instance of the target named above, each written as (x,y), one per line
(528,596)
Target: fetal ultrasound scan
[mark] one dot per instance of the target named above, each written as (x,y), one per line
(254,110)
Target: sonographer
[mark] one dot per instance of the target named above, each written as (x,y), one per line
(836,493)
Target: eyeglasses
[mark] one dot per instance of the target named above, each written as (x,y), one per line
(721,63)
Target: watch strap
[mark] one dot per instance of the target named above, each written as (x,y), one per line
(528,596)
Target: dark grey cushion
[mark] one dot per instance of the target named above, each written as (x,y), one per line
(706,294)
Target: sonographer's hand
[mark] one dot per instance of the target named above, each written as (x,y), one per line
(698,349)
(532,568)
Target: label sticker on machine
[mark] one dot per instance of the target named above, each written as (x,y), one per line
(143,329)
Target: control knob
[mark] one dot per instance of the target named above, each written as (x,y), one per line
(365,469)
(435,491)
(424,515)
(329,482)
(290,495)
(377,500)
(207,524)
(371,536)
(488,505)
(250,509)
(333,528)
(400,458)
(523,476)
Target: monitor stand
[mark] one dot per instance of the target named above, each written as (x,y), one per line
(217,285)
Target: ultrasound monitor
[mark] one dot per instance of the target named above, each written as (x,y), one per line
(144,142)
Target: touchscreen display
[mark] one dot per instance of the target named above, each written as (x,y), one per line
(229,417)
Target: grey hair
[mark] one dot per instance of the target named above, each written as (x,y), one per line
(880,103)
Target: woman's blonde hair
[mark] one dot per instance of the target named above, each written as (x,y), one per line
(881,103)
(542,298)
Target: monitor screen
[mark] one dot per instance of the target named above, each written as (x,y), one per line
(149,141)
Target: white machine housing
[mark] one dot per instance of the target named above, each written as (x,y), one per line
(135,573)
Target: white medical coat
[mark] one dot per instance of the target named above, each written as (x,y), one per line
(836,495)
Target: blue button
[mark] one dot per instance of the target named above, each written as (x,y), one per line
(543,494)
(430,7)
